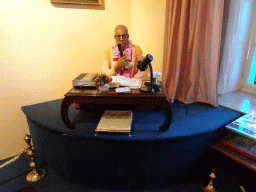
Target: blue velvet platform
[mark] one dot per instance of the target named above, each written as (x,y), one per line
(147,159)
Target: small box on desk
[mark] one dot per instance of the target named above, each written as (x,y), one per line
(85,80)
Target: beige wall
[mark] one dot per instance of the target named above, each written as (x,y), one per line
(148,24)
(44,46)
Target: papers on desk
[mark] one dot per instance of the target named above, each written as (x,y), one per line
(123,90)
(127,82)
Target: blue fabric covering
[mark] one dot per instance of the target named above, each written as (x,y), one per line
(201,118)
(147,159)
(14,182)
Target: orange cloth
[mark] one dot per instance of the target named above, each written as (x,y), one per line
(109,62)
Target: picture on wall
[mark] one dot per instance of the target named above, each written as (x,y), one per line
(81,2)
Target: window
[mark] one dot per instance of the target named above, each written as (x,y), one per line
(252,75)
(249,72)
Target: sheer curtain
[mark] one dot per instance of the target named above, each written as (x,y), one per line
(190,73)
(235,47)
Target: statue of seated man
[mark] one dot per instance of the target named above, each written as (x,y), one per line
(116,65)
(126,66)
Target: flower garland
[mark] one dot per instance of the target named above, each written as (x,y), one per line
(127,51)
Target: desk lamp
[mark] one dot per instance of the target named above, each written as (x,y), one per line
(143,65)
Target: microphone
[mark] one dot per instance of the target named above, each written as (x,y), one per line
(120,49)
(143,64)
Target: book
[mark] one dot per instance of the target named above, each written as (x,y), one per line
(126,82)
(242,135)
(252,152)
(241,144)
(245,125)
(239,141)
(115,121)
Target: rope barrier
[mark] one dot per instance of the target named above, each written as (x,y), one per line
(13,159)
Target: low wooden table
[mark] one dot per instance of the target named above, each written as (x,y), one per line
(111,97)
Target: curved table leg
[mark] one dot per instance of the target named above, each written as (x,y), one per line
(64,112)
(165,104)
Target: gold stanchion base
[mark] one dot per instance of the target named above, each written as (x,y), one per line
(210,188)
(34,176)
(212,184)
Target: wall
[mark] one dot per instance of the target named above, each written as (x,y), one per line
(43,46)
(148,27)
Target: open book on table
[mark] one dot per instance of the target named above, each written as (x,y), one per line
(242,135)
(126,82)
(245,125)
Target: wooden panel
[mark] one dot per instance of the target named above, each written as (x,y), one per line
(236,156)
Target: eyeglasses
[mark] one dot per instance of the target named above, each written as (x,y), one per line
(119,36)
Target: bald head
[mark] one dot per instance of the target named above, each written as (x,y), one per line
(121,35)
(121,27)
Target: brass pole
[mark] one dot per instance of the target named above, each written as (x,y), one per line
(211,187)
(37,173)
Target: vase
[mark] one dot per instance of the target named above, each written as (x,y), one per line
(104,87)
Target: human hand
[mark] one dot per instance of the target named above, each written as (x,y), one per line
(122,62)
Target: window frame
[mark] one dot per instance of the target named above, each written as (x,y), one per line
(251,46)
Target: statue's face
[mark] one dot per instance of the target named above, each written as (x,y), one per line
(121,36)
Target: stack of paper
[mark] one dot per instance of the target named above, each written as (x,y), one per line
(127,82)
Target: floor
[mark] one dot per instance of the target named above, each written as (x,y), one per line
(240,101)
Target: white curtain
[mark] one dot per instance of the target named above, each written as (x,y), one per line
(237,16)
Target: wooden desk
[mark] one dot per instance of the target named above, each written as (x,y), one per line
(236,156)
(111,97)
